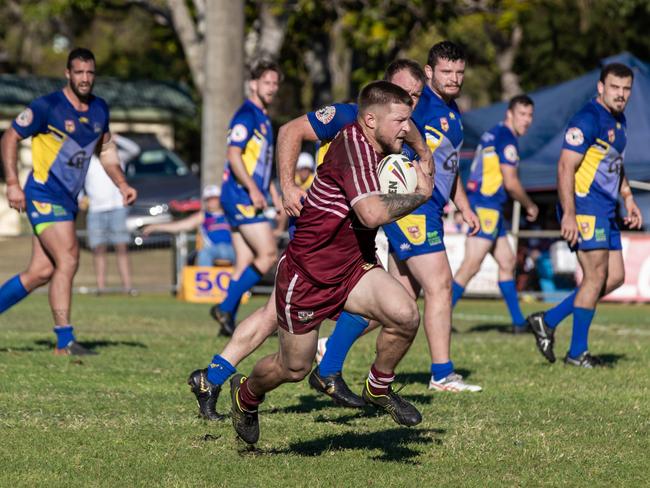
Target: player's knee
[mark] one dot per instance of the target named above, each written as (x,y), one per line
(407,318)
(507,265)
(297,372)
(615,280)
(68,263)
(33,278)
(267,259)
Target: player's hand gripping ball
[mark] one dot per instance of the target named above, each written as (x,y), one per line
(397,174)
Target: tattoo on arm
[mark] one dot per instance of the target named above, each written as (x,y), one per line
(399,205)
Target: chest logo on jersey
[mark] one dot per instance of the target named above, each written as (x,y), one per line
(263,129)
(97,128)
(452,115)
(611,136)
(69,126)
(444,124)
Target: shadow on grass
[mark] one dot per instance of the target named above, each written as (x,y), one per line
(95,344)
(610,360)
(396,445)
(501,328)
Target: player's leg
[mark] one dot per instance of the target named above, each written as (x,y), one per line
(248,336)
(291,363)
(225,312)
(594,265)
(506,261)
(60,243)
(433,273)
(38,272)
(615,272)
(476,248)
(399,317)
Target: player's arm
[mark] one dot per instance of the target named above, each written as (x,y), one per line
(290,138)
(513,186)
(190,222)
(566,177)
(9,151)
(634,217)
(459,197)
(376,210)
(111,162)
(414,139)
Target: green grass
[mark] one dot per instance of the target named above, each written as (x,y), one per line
(127,418)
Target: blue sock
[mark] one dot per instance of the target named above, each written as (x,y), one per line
(11,292)
(562,310)
(456,292)
(236,289)
(440,371)
(348,329)
(509,292)
(582,318)
(219,370)
(64,335)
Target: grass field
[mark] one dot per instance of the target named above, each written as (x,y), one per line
(127,418)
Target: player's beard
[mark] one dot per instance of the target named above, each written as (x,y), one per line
(81,96)
(390,145)
(443,91)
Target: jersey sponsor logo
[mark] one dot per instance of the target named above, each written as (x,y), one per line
(611,136)
(618,125)
(510,153)
(97,128)
(69,126)
(42,208)
(586,226)
(25,117)
(414,228)
(600,234)
(488,218)
(444,124)
(326,114)
(574,136)
(238,133)
(263,129)
(433,238)
(78,160)
(452,115)
(451,163)
(83,120)
(305,316)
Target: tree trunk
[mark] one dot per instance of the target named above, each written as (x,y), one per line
(506,60)
(223,89)
(190,39)
(339,62)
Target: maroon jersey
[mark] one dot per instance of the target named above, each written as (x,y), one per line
(330,241)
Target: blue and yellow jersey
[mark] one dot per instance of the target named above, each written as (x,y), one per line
(328,121)
(215,229)
(440,124)
(498,146)
(600,137)
(63,140)
(250,129)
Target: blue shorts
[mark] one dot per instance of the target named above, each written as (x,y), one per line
(597,230)
(108,227)
(492,222)
(420,232)
(43,214)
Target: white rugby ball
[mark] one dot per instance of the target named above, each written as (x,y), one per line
(396,174)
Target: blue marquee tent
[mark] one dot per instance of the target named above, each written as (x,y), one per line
(554,106)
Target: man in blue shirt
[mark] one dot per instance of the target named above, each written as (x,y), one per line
(493,177)
(590,179)
(66,127)
(246,188)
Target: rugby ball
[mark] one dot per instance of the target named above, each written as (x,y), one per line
(396,174)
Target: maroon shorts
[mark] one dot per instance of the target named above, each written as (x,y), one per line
(302,306)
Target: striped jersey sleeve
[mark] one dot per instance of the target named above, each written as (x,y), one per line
(358,175)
